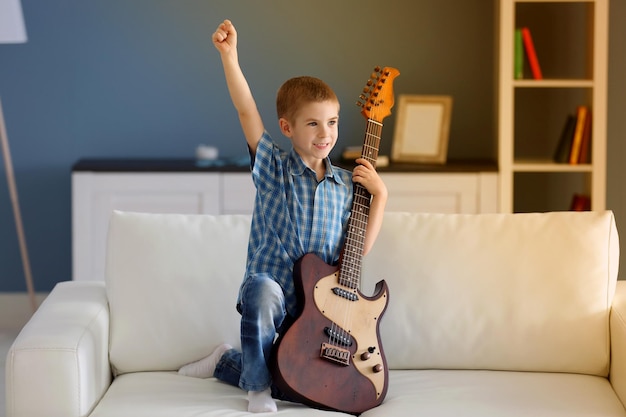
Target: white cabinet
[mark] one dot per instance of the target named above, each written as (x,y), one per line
(97,192)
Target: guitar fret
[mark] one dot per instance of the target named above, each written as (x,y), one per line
(358,224)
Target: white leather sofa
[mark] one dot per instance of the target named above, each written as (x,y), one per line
(489,315)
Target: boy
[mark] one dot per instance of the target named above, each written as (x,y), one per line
(302,205)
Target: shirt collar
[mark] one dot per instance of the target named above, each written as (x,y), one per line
(298,167)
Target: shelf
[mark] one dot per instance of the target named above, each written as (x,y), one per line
(549,166)
(553,83)
(554,1)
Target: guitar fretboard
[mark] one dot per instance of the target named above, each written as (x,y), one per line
(350,269)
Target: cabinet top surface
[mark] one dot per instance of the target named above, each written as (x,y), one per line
(241,165)
(160,165)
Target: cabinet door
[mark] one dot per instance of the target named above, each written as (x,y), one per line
(237,193)
(442,193)
(96,195)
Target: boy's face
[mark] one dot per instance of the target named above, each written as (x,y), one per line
(314,131)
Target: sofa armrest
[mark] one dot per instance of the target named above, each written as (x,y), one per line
(618,342)
(59,363)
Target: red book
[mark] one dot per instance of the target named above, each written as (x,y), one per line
(529,46)
(580,203)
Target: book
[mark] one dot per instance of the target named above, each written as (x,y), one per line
(561,154)
(518,65)
(585,146)
(581,118)
(351,152)
(580,203)
(531,54)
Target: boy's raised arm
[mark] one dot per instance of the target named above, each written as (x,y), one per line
(225,41)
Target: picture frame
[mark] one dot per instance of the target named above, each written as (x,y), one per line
(422,129)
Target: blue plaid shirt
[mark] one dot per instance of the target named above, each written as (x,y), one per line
(294,214)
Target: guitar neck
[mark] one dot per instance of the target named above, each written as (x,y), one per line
(350,270)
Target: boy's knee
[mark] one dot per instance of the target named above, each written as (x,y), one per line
(262,291)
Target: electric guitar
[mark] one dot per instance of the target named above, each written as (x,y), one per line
(331,356)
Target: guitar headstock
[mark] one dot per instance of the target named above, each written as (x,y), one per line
(377,98)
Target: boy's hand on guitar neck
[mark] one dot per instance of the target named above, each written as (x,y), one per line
(366,175)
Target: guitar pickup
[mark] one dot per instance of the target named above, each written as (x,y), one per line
(338,336)
(348,295)
(335,354)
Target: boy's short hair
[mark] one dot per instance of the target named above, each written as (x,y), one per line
(297,91)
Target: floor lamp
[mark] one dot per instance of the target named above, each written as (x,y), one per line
(12,30)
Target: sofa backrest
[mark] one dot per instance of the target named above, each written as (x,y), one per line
(525,292)
(172,283)
(522,292)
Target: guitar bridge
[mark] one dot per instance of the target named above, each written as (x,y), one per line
(335,354)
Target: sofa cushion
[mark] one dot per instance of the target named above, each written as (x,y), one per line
(172,283)
(411,393)
(468,393)
(163,394)
(524,292)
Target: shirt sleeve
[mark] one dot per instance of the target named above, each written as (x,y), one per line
(267,165)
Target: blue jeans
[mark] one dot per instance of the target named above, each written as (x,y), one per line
(263,312)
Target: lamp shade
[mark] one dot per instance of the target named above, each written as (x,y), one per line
(12,29)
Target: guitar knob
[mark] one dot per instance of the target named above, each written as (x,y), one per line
(378,368)
(365,356)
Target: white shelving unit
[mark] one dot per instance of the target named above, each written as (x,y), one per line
(571,40)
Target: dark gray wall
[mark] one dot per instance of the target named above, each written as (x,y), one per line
(140,78)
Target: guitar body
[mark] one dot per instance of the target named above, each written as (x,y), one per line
(301,369)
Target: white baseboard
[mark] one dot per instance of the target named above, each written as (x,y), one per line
(15,309)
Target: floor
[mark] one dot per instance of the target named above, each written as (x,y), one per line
(6,339)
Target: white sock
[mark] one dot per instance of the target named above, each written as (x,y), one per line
(261,402)
(204,368)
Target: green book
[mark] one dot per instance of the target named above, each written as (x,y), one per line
(519,55)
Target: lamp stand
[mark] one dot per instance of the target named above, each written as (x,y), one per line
(8,165)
